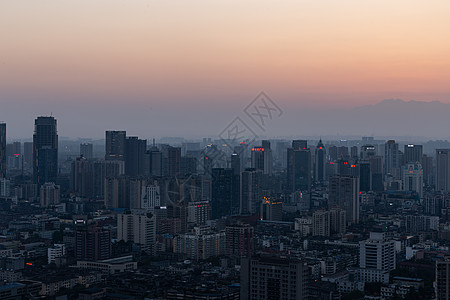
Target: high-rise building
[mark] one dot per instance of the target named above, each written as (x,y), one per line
(251,191)
(262,158)
(299,144)
(50,194)
(270,278)
(92,243)
(298,170)
(376,168)
(2,150)
(320,162)
(412,153)
(365,176)
(173,161)
(82,177)
(45,150)
(115,145)
(443,170)
(28,154)
(198,212)
(103,169)
(427,166)
(222,201)
(321,223)
(413,178)
(368,151)
(442,283)
(271,209)
(138,227)
(338,220)
(343,191)
(239,240)
(87,150)
(150,197)
(135,150)
(391,159)
(377,258)
(156,161)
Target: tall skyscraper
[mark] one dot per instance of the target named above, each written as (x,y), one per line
(2,150)
(45,150)
(321,223)
(82,177)
(135,150)
(115,145)
(262,159)
(103,169)
(92,243)
(155,161)
(368,151)
(28,154)
(251,192)
(222,203)
(87,150)
(298,169)
(173,161)
(391,159)
(412,153)
(443,170)
(343,191)
(137,227)
(240,242)
(320,162)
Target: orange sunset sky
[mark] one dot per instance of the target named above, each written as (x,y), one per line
(217,53)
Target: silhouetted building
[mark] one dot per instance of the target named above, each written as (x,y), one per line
(270,278)
(239,240)
(82,177)
(262,158)
(442,283)
(45,150)
(173,161)
(251,191)
(443,170)
(28,154)
(367,151)
(103,169)
(2,150)
(343,191)
(413,178)
(222,202)
(320,162)
(271,209)
(115,145)
(298,170)
(135,150)
(391,159)
(365,176)
(92,243)
(87,150)
(156,161)
(50,194)
(412,154)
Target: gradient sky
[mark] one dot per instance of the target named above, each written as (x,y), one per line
(171,67)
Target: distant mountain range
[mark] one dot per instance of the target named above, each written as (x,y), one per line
(389,118)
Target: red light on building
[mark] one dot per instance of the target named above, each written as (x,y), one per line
(258,149)
(29,264)
(352,166)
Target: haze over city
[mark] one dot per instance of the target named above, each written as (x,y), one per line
(162,64)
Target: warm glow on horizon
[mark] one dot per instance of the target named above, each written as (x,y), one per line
(170,53)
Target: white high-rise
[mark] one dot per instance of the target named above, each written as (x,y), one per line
(413,178)
(150,197)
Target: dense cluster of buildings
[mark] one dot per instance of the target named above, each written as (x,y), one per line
(222,219)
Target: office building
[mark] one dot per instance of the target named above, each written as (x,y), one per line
(262,158)
(270,278)
(338,220)
(376,258)
(413,178)
(150,197)
(198,212)
(103,169)
(343,191)
(45,151)
(271,209)
(173,161)
(367,151)
(155,161)
(115,145)
(28,155)
(138,227)
(412,153)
